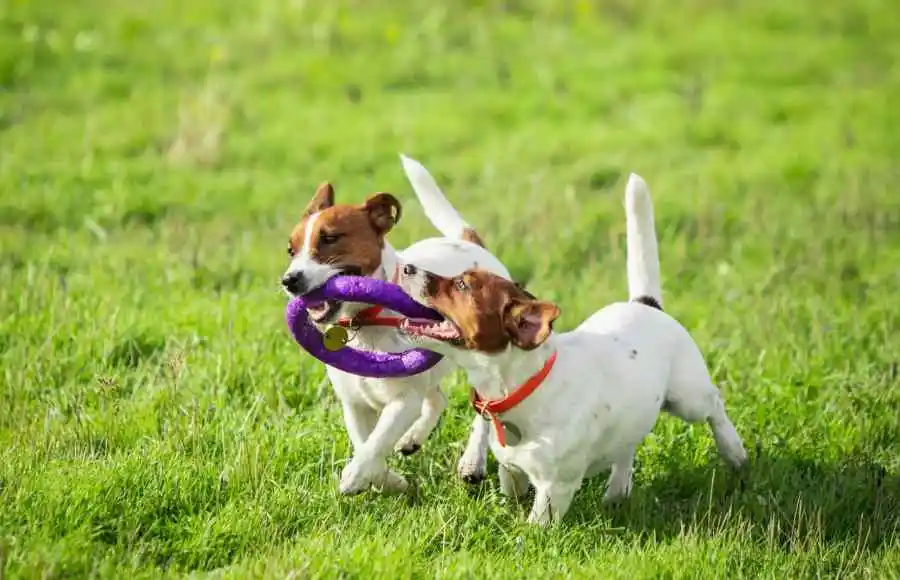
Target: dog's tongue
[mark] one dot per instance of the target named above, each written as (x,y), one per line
(318,307)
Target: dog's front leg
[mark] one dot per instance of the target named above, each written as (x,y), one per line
(513,483)
(369,463)
(472,466)
(551,501)
(360,420)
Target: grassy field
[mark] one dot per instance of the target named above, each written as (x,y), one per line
(155,417)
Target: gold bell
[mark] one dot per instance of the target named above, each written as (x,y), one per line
(335,338)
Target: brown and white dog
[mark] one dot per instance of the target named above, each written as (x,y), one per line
(384,414)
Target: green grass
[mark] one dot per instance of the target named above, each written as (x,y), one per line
(155,417)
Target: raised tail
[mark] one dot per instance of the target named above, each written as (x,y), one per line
(439,211)
(643,254)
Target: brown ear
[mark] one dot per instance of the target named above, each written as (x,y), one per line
(323,199)
(384,212)
(529,322)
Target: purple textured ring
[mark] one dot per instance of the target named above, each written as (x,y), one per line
(350,360)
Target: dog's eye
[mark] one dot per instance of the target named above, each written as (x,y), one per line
(329,239)
(461,285)
(291,251)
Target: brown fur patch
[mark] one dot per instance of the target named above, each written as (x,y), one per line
(490,311)
(343,235)
(471,235)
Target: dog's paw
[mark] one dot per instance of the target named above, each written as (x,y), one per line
(393,482)
(408,445)
(541,519)
(471,472)
(359,475)
(738,458)
(617,491)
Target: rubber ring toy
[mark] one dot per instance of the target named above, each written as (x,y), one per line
(351,360)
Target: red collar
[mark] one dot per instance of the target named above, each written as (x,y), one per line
(490,409)
(370,316)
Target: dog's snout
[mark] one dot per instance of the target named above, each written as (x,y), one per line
(294,282)
(409,270)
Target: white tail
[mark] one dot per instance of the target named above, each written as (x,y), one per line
(438,210)
(643,253)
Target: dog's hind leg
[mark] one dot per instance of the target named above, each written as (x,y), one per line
(618,486)
(692,397)
(728,442)
(432,406)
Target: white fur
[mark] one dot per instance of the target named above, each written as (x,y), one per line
(613,375)
(643,254)
(386,414)
(438,210)
(316,273)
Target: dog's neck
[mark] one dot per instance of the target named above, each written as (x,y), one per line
(495,376)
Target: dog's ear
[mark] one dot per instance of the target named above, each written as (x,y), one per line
(524,291)
(323,199)
(529,322)
(384,212)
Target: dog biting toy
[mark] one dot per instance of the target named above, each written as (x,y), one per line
(331,348)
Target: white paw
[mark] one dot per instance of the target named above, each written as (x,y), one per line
(738,456)
(359,474)
(393,482)
(471,470)
(541,519)
(617,490)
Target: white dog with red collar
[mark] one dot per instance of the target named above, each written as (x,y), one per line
(568,406)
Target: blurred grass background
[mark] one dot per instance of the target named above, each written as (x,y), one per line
(156,419)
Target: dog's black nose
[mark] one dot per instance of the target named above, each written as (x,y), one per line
(409,270)
(294,282)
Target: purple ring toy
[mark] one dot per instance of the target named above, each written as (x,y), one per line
(350,360)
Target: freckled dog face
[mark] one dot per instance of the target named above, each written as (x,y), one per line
(334,239)
(483,311)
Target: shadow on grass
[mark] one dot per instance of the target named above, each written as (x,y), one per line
(779,498)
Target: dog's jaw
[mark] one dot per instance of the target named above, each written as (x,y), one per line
(414,286)
(318,274)
(492,374)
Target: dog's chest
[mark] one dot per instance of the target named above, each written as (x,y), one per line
(576,425)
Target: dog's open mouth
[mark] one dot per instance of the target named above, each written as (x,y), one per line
(326,310)
(444,330)
(323,311)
